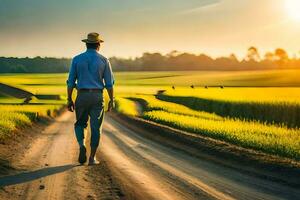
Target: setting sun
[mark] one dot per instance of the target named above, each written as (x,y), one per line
(293,8)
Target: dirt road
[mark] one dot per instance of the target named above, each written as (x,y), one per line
(48,169)
(132,167)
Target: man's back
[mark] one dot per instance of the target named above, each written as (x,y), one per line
(90,69)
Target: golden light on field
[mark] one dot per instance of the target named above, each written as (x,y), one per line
(293,9)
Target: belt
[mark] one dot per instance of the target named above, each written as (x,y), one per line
(90,90)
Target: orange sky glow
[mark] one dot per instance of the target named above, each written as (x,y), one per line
(214,27)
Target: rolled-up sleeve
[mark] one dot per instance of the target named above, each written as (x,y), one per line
(108,76)
(71,82)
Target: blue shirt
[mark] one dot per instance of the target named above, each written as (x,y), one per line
(91,70)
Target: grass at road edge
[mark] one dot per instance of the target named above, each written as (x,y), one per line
(269,139)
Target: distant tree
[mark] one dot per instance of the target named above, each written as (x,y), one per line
(225,63)
(153,61)
(173,53)
(269,56)
(253,54)
(233,57)
(34,65)
(281,55)
(190,61)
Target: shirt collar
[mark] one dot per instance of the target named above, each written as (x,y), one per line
(91,50)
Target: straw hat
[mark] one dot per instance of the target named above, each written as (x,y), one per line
(93,38)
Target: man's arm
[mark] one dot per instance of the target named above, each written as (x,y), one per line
(71,84)
(70,103)
(110,92)
(70,92)
(109,82)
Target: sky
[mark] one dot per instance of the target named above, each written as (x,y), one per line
(130,27)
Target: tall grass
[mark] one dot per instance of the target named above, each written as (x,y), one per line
(13,117)
(271,107)
(272,139)
(10,121)
(126,107)
(152,103)
(39,110)
(269,139)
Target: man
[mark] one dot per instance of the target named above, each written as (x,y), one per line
(93,73)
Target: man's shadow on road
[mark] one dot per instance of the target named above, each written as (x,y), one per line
(33,175)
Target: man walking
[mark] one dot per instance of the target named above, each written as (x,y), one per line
(90,73)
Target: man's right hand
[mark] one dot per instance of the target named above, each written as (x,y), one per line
(111,104)
(71,106)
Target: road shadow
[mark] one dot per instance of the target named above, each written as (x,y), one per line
(33,175)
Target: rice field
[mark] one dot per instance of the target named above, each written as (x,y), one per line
(272,105)
(265,119)
(272,139)
(275,78)
(15,115)
(262,118)
(253,94)
(127,107)
(269,139)
(152,103)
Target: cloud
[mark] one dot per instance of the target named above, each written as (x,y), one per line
(203,5)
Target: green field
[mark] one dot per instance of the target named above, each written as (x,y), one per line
(275,78)
(272,105)
(259,110)
(15,115)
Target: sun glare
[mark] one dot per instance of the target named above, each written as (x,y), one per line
(293,9)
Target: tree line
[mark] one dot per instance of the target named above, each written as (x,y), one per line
(173,61)
(34,65)
(176,61)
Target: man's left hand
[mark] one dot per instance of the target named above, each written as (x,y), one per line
(71,106)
